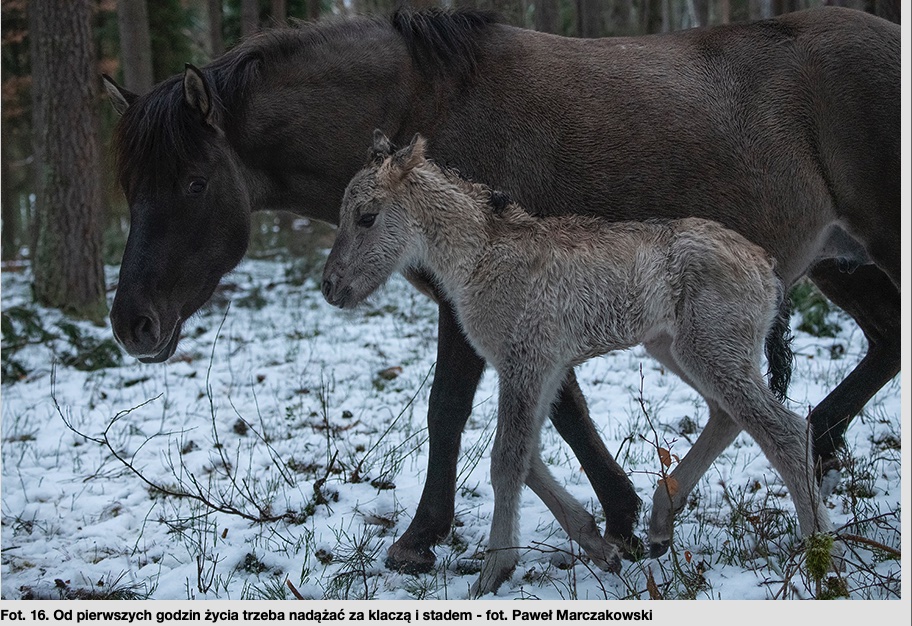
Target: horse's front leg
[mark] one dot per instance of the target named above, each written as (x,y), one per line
(457,375)
(517,435)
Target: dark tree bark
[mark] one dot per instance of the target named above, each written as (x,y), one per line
(135,45)
(10,216)
(888,9)
(250,17)
(313,9)
(620,21)
(66,251)
(701,8)
(547,16)
(279,11)
(589,18)
(785,6)
(651,16)
(216,37)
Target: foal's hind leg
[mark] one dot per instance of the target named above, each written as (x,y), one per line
(720,431)
(712,358)
(571,515)
(612,487)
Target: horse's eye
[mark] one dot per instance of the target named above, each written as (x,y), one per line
(367,220)
(197,186)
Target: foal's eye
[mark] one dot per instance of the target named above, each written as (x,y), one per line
(196,186)
(367,220)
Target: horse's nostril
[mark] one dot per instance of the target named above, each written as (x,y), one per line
(326,288)
(145,330)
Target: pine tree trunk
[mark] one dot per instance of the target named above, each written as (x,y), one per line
(135,45)
(250,17)
(66,252)
(313,9)
(216,38)
(8,247)
(279,11)
(547,16)
(589,18)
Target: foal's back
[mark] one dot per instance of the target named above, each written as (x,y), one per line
(579,286)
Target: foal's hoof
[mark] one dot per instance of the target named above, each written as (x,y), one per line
(829,474)
(658,549)
(409,559)
(631,547)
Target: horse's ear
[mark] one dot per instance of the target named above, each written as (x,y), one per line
(382,147)
(412,155)
(121,99)
(197,93)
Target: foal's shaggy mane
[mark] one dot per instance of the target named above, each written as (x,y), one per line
(158,133)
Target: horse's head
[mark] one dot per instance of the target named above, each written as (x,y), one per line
(189,209)
(377,235)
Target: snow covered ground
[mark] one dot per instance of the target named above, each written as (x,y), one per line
(155,480)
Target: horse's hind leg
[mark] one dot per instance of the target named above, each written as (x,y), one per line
(872,300)
(572,516)
(720,431)
(612,487)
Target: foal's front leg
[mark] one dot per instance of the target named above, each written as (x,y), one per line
(459,370)
(518,423)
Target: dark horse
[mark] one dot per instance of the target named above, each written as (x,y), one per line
(785,130)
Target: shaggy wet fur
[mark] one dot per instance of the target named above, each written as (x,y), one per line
(537,296)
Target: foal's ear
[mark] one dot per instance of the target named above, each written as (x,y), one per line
(197,94)
(382,147)
(412,155)
(121,99)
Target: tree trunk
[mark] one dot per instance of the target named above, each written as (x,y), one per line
(313,9)
(216,37)
(784,6)
(652,16)
(701,8)
(620,25)
(589,18)
(250,17)
(279,11)
(135,45)
(724,11)
(8,247)
(66,253)
(547,16)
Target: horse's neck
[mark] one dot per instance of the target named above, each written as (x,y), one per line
(303,136)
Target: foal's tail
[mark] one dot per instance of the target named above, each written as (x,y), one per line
(779,354)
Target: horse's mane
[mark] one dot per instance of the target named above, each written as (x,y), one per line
(443,42)
(158,133)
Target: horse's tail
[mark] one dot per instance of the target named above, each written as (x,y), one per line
(779,355)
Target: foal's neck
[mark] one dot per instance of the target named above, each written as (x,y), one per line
(453,217)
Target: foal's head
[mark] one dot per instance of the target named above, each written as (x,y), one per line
(377,232)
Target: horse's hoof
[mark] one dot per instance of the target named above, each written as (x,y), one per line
(409,560)
(658,549)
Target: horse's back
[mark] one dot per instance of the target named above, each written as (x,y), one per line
(750,125)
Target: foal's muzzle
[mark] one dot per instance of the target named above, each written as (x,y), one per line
(335,295)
